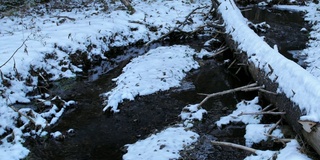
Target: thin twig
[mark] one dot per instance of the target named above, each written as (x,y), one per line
(234,61)
(22,114)
(268,92)
(219,51)
(271,129)
(262,113)
(235,146)
(252,89)
(225,92)
(15,52)
(47,84)
(267,107)
(238,70)
(282,140)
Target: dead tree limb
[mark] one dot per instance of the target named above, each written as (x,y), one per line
(271,129)
(234,146)
(243,88)
(262,113)
(22,114)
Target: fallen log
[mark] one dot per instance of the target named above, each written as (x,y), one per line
(298,92)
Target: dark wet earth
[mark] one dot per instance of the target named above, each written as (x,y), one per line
(101,135)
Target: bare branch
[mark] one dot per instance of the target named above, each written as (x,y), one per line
(268,92)
(243,88)
(23,43)
(271,129)
(22,114)
(277,139)
(267,107)
(261,113)
(234,145)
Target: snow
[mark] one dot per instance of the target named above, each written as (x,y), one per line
(294,8)
(243,107)
(161,146)
(303,90)
(255,133)
(292,151)
(50,42)
(166,144)
(158,70)
(312,49)
(262,155)
(191,113)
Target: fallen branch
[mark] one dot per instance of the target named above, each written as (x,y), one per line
(177,27)
(271,129)
(268,92)
(277,139)
(235,146)
(261,113)
(219,51)
(267,107)
(243,88)
(22,114)
(234,61)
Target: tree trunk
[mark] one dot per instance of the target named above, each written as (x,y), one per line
(281,100)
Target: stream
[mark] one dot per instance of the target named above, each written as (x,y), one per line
(101,135)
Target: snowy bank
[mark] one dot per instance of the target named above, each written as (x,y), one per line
(312,51)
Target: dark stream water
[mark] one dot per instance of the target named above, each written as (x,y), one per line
(101,135)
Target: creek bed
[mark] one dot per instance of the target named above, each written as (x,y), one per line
(101,135)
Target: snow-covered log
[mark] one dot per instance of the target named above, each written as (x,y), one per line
(298,92)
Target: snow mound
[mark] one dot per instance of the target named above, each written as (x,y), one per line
(158,70)
(291,151)
(255,133)
(161,146)
(262,155)
(190,113)
(243,107)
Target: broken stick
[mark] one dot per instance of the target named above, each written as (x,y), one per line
(234,145)
(243,88)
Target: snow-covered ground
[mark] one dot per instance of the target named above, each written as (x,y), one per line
(49,40)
